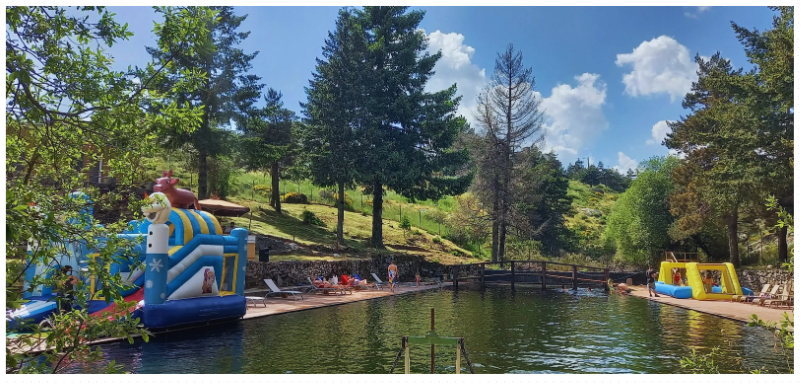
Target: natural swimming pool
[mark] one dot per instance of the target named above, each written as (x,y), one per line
(522,331)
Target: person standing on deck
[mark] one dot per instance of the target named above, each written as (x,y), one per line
(651,282)
(393,275)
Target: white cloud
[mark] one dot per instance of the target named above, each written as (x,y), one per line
(661,65)
(697,12)
(677,153)
(455,66)
(574,116)
(625,162)
(659,132)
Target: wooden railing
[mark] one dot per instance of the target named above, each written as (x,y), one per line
(572,273)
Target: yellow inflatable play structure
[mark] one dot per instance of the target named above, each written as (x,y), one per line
(694,273)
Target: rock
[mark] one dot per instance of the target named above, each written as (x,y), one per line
(591,212)
(336,255)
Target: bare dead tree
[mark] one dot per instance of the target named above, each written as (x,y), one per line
(511,119)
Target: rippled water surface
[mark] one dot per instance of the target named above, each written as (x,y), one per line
(522,331)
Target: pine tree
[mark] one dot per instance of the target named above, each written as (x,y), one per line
(511,116)
(408,133)
(227,94)
(332,112)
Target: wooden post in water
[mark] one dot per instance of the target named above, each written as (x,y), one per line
(544,275)
(606,279)
(432,346)
(455,276)
(512,274)
(575,277)
(483,274)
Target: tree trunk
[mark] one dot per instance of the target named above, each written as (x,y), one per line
(276,202)
(340,213)
(495,221)
(503,230)
(376,220)
(782,244)
(734,252)
(203,192)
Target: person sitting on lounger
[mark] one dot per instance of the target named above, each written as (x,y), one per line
(356,280)
(321,283)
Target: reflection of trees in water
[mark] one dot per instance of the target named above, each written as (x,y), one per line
(525,331)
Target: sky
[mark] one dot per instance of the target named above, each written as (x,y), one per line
(609,77)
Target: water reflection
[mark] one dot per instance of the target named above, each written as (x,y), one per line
(526,331)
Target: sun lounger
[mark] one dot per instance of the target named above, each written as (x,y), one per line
(748,298)
(325,290)
(377,278)
(276,291)
(783,299)
(761,299)
(255,299)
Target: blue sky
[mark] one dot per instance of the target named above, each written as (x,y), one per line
(609,76)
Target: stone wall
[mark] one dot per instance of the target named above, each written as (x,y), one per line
(291,273)
(756,278)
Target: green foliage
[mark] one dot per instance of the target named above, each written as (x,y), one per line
(227,93)
(437,240)
(295,198)
(263,190)
(641,217)
(405,223)
(221,170)
(703,363)
(310,218)
(67,109)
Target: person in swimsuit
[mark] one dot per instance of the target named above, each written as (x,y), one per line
(651,274)
(393,275)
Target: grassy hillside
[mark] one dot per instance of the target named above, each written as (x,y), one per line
(357,230)
(587,221)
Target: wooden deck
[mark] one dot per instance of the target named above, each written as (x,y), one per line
(740,312)
(277,305)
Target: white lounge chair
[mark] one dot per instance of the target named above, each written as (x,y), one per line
(276,291)
(762,298)
(255,299)
(783,299)
(380,283)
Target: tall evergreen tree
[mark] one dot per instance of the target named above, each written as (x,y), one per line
(333,110)
(407,134)
(227,94)
(268,140)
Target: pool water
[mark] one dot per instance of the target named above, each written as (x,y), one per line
(506,331)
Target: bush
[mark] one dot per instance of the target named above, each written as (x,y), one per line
(405,223)
(437,240)
(415,232)
(263,190)
(295,198)
(310,218)
(327,194)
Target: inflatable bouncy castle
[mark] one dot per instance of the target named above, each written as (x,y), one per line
(193,272)
(693,286)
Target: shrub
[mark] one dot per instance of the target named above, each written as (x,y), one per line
(405,223)
(310,218)
(327,194)
(415,232)
(294,198)
(437,240)
(263,190)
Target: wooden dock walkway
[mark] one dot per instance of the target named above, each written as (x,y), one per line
(277,305)
(740,312)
